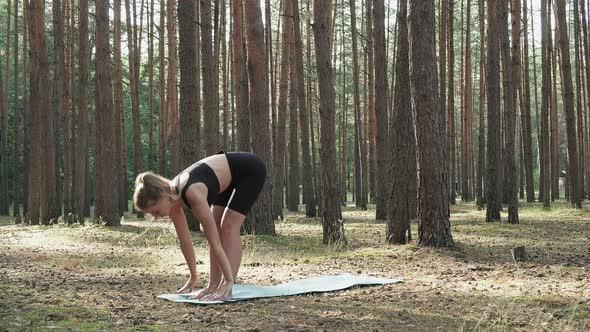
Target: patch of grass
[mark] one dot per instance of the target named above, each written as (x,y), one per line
(38,312)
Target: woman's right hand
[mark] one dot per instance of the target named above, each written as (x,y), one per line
(204,292)
(188,286)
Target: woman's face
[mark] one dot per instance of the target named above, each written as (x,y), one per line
(161,208)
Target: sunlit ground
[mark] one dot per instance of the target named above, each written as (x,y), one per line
(96,278)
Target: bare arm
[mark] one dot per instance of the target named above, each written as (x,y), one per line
(186,242)
(202,212)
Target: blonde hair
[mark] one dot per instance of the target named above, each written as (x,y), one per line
(149,188)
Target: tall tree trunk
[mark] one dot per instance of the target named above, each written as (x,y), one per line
(443,49)
(493,196)
(151,152)
(240,77)
(579,101)
(209,88)
(434,228)
(568,96)
(172,97)
(308,193)
(333,227)
(358,146)
(105,170)
(482,92)
(294,167)
(372,125)
(162,107)
(189,113)
(133,82)
(16,164)
(545,95)
(586,44)
(119,108)
(510,175)
(281,142)
(403,190)
(526,113)
(553,121)
(225,91)
(466,136)
(382,159)
(4,197)
(262,222)
(35,176)
(82,141)
(451,106)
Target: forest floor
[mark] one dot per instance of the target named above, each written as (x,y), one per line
(91,277)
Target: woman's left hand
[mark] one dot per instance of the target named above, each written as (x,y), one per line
(223,292)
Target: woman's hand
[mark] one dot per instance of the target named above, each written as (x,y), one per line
(204,292)
(223,292)
(188,286)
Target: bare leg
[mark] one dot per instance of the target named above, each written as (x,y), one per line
(230,238)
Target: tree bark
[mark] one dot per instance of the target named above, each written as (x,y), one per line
(510,174)
(434,228)
(466,136)
(568,99)
(281,140)
(545,99)
(82,141)
(333,227)
(308,193)
(209,95)
(493,196)
(105,170)
(262,222)
(403,190)
(382,159)
(526,114)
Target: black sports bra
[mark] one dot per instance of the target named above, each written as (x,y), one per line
(200,172)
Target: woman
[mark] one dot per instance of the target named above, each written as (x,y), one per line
(206,188)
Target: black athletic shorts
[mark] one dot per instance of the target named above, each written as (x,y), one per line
(248,174)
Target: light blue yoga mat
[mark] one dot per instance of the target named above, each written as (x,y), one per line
(302,286)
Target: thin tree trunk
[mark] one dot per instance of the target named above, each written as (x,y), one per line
(151,152)
(308,193)
(468,110)
(382,159)
(372,125)
(294,167)
(568,95)
(553,121)
(82,146)
(403,190)
(482,91)
(510,174)
(493,196)
(526,114)
(105,170)
(451,106)
(172,97)
(162,107)
(16,129)
(333,227)
(545,95)
(209,87)
(358,146)
(4,95)
(119,108)
(281,141)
